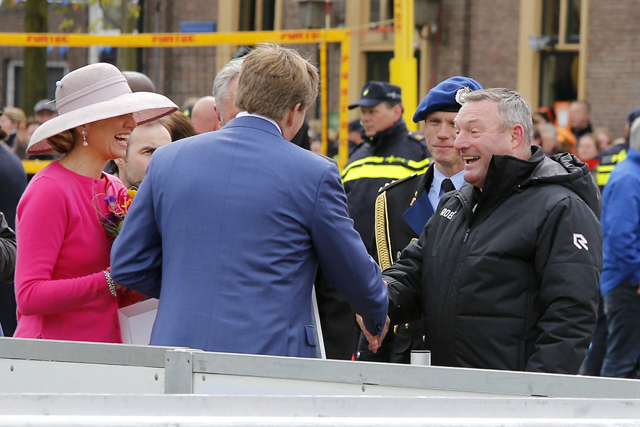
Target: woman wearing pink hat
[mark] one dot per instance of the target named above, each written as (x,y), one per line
(63,284)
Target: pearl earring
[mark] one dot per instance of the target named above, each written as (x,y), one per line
(84,137)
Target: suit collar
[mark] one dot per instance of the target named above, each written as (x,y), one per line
(268,119)
(254,122)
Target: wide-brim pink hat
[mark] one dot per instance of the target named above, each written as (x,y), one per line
(96,92)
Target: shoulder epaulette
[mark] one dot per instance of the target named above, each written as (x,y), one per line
(416,135)
(391,184)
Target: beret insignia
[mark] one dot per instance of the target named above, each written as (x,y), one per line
(461,95)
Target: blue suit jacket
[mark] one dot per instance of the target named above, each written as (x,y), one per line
(227,230)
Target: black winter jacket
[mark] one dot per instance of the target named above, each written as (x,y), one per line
(507,278)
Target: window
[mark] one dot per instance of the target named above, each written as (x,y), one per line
(378,66)
(561,21)
(560,61)
(551,19)
(558,77)
(381,10)
(55,71)
(257,15)
(573,22)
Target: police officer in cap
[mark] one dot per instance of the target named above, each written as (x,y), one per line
(389,152)
(404,206)
(610,157)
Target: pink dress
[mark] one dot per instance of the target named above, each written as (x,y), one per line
(63,249)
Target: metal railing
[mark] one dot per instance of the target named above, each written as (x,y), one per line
(72,383)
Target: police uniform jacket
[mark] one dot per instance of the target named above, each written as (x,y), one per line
(391,154)
(507,278)
(609,158)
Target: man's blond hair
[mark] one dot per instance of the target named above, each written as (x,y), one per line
(273,80)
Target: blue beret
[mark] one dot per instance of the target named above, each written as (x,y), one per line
(444,96)
(634,114)
(373,93)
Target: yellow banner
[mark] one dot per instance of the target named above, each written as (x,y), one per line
(172,39)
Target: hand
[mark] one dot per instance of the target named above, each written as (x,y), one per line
(375,341)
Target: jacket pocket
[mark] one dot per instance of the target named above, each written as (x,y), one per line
(310,334)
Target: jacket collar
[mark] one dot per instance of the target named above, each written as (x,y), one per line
(506,173)
(268,119)
(504,177)
(397,128)
(255,123)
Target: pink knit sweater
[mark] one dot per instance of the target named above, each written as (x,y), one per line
(62,251)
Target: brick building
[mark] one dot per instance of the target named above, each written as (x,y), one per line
(590,50)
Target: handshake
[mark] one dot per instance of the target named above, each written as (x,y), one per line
(375,341)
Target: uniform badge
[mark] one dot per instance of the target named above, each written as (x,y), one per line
(462,94)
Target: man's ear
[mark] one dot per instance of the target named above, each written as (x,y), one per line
(398,110)
(292,114)
(288,125)
(517,136)
(119,162)
(218,118)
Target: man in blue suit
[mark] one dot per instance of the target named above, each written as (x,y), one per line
(228,227)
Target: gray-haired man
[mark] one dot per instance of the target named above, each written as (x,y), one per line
(505,274)
(224,90)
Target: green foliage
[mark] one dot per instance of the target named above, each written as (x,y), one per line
(66,26)
(117,13)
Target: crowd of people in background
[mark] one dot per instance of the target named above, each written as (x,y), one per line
(432,213)
(206,115)
(580,138)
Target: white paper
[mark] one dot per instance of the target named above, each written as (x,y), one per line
(136,321)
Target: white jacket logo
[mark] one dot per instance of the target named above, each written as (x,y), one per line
(448,213)
(580,242)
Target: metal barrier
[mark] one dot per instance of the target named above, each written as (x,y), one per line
(115,384)
(47,366)
(283,411)
(192,371)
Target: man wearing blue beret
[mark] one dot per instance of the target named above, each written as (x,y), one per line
(403,207)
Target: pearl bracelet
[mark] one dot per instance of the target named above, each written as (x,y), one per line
(110,282)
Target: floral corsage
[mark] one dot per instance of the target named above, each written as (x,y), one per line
(117,201)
